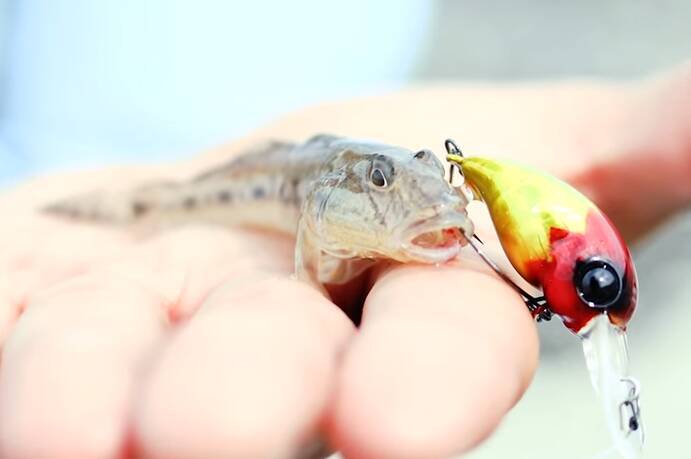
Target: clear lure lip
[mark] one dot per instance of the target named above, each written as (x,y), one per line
(436,239)
(606,353)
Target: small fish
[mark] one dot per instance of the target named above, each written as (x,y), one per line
(348,202)
(559,241)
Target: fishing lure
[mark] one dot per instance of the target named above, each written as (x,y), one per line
(559,241)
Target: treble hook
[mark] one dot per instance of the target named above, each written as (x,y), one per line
(536,305)
(633,423)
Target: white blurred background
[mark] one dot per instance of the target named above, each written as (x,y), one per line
(560,416)
(89,82)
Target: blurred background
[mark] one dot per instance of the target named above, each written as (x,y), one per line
(86,83)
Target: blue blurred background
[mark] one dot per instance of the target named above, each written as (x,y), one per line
(86,82)
(89,82)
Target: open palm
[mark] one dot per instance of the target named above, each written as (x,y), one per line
(197,343)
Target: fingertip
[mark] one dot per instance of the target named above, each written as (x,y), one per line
(469,299)
(69,366)
(248,376)
(442,355)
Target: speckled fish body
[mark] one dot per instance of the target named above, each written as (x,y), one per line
(349,202)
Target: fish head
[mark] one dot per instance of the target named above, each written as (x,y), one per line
(380,201)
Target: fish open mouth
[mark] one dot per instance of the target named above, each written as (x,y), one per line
(437,239)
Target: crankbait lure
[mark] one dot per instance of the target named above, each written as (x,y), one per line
(559,241)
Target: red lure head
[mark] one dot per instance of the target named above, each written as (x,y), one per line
(588,274)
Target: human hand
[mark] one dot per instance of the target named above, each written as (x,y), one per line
(197,344)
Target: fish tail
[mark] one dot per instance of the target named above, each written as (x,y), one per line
(209,196)
(120,208)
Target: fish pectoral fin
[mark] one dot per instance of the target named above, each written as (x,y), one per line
(333,270)
(308,256)
(314,265)
(116,207)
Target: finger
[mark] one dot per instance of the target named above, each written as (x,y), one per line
(35,254)
(442,355)
(248,376)
(10,306)
(654,134)
(69,365)
(187,263)
(175,266)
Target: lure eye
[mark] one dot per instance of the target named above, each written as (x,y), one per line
(377,178)
(598,283)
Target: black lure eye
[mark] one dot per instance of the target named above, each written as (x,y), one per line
(377,178)
(598,283)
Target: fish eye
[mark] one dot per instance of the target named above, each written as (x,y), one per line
(378,178)
(381,172)
(598,283)
(422,154)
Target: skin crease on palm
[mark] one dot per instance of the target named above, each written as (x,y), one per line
(196,342)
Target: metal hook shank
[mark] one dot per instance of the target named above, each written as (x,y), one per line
(537,306)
